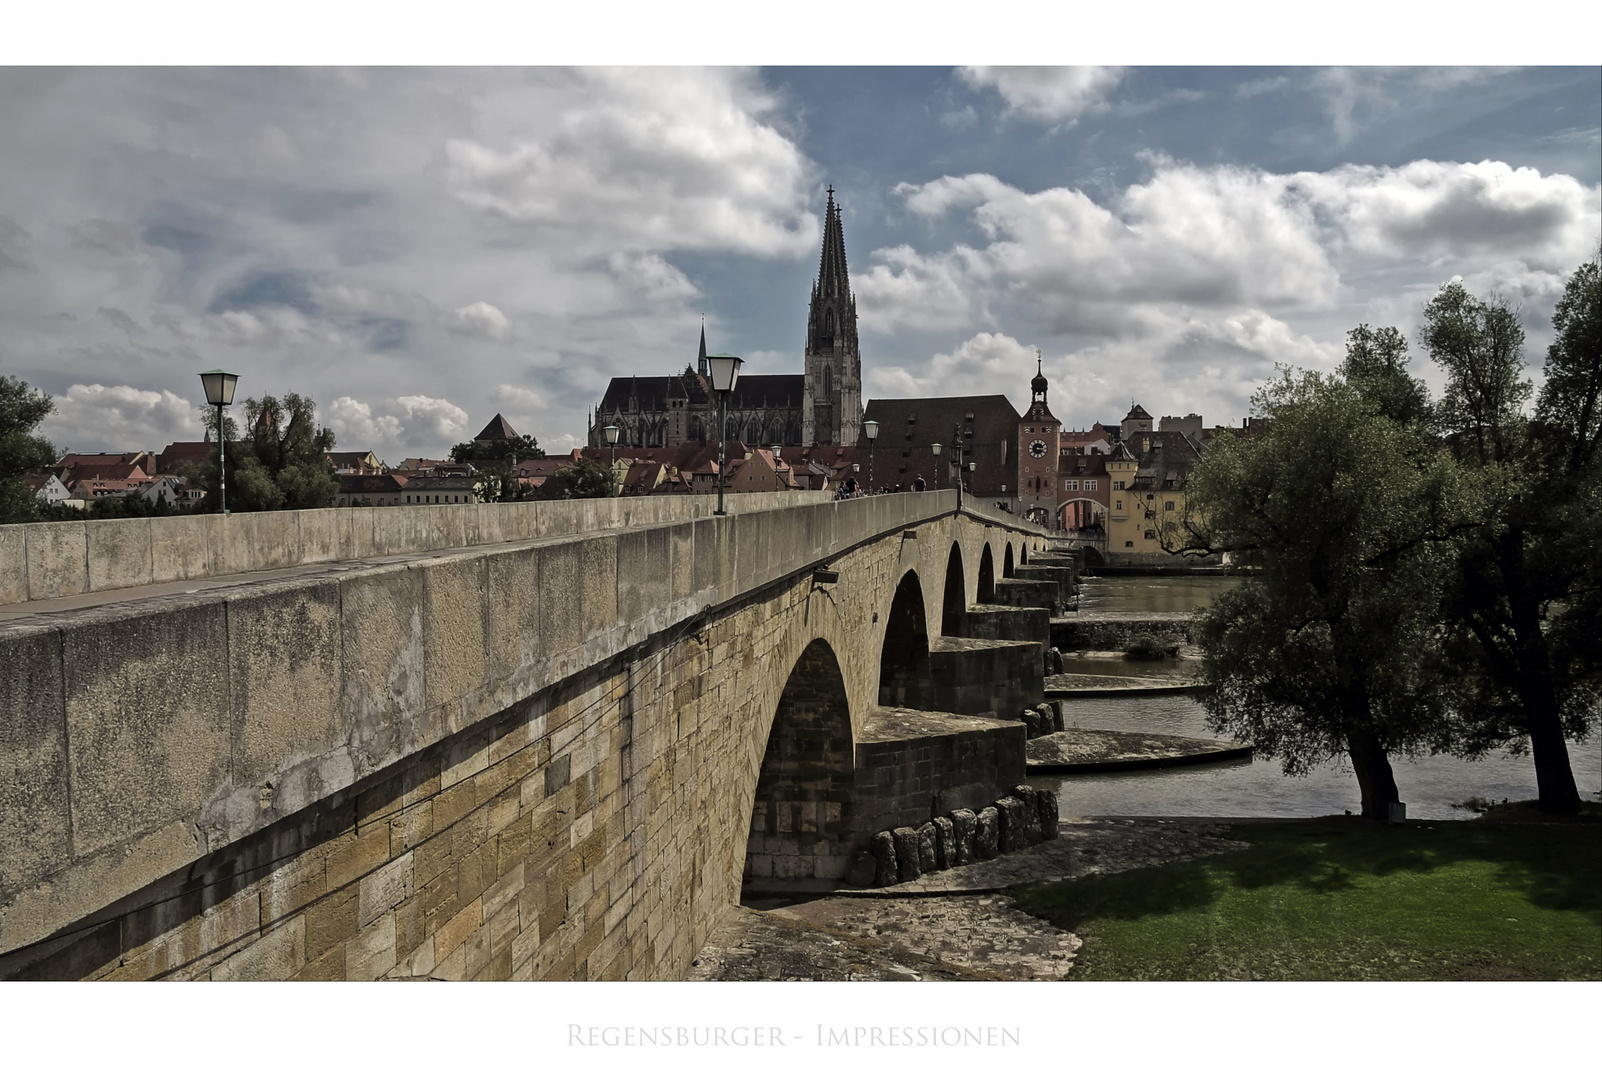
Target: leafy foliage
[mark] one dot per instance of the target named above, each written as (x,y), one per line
(1522,605)
(586,480)
(283,465)
(522,448)
(22,408)
(1330,647)
(1376,370)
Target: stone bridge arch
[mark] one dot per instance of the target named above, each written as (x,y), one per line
(985,587)
(1006,562)
(802,802)
(954,604)
(904,655)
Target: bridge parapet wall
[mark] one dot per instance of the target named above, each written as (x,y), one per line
(68,558)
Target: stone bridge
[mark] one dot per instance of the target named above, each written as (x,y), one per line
(540,740)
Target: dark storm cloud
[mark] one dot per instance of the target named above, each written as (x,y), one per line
(267,289)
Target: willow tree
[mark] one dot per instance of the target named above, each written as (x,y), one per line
(1331,646)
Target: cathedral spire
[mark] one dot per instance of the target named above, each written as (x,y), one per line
(702,368)
(833,280)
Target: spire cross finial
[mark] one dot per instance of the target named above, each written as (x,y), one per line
(1037,362)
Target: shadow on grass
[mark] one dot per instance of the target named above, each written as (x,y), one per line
(1557,867)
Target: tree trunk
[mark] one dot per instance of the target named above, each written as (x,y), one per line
(1374,777)
(1554,776)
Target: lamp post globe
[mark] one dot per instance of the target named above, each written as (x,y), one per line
(219,387)
(725,372)
(936,448)
(609,432)
(870,428)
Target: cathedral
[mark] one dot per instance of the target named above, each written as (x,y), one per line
(822,406)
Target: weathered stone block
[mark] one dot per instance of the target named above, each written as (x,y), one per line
(929,847)
(1030,819)
(14,560)
(35,821)
(147,722)
(987,833)
(908,854)
(454,595)
(58,560)
(963,824)
(1046,811)
(284,660)
(178,548)
(382,663)
(118,553)
(1010,818)
(946,849)
(886,867)
(275,956)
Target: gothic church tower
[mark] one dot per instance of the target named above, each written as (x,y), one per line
(831,410)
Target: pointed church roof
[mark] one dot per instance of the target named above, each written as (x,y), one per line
(497,428)
(702,368)
(833,280)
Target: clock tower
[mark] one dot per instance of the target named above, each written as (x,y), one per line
(1039,444)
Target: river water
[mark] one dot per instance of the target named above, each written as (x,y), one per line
(1259,788)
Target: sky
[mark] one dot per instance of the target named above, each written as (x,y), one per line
(419,248)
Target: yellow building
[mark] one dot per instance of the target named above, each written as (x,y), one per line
(1148,497)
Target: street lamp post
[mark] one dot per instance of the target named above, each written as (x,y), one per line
(870,428)
(610,432)
(937,448)
(219,386)
(777,450)
(725,374)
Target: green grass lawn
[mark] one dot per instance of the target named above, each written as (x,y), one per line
(1341,898)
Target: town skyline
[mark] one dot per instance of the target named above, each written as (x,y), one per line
(420,249)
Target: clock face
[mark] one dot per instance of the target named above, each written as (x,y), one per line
(1037,449)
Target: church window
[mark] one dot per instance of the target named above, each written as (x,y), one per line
(828,382)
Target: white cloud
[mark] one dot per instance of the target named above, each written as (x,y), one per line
(655,160)
(907,289)
(431,417)
(1052,94)
(355,425)
(522,402)
(976,366)
(1434,208)
(650,277)
(480,319)
(121,418)
(1218,238)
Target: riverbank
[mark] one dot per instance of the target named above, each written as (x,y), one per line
(1178,899)
(1346,899)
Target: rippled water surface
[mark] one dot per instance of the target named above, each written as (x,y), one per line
(1260,789)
